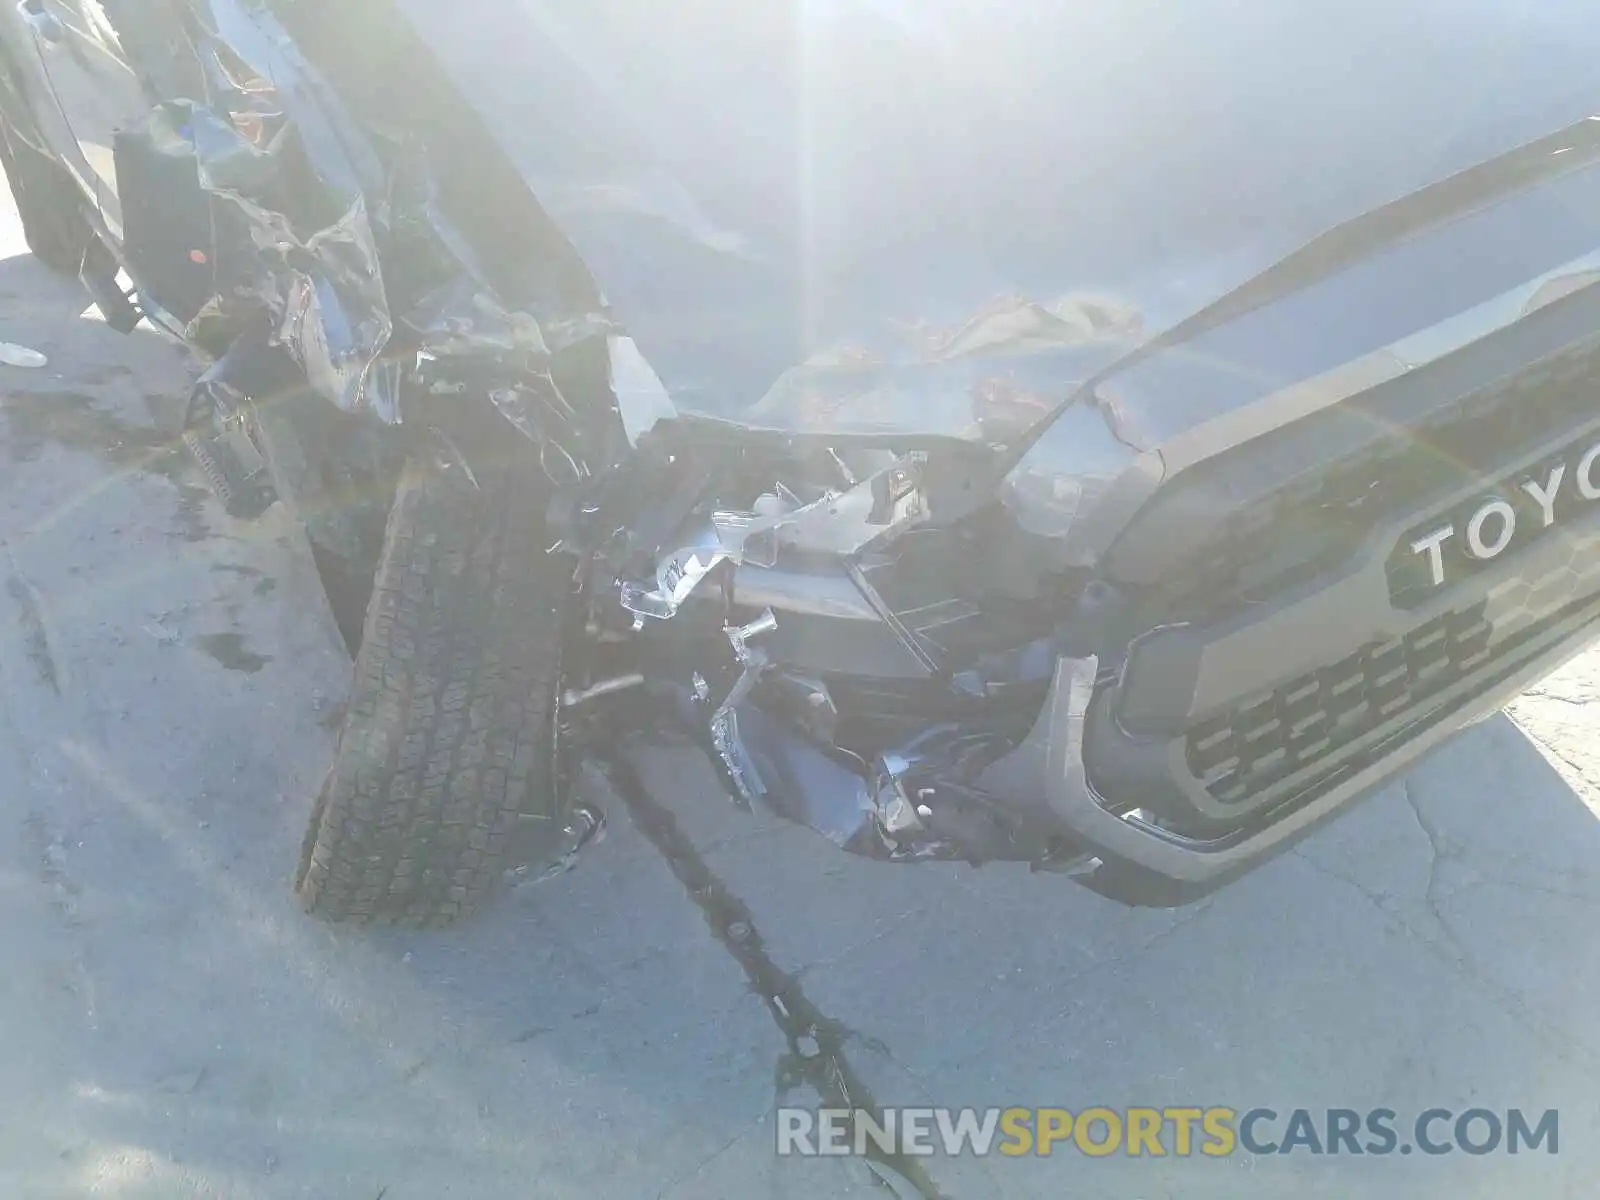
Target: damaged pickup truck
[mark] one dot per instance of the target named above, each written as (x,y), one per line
(1106,437)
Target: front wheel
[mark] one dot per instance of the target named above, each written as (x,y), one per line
(448,739)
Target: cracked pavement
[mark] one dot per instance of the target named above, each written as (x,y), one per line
(171,1026)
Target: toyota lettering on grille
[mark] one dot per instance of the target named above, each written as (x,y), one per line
(1492,526)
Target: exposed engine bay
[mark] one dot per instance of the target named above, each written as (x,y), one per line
(854,635)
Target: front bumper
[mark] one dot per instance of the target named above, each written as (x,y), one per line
(1137,861)
(1275,721)
(1224,739)
(1254,652)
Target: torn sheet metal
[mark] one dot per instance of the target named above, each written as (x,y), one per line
(317,228)
(907,806)
(323,291)
(335,317)
(775,739)
(268,121)
(677,576)
(800,782)
(764,762)
(875,510)
(460,319)
(774,519)
(724,723)
(838,523)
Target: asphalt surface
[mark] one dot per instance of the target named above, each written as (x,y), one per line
(172,1026)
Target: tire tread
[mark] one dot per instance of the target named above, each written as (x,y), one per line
(446,741)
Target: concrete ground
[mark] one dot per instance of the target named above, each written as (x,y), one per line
(172,1026)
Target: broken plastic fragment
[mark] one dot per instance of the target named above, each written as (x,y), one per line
(725,738)
(14,355)
(585,826)
(642,399)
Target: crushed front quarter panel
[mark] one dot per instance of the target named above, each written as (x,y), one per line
(333,235)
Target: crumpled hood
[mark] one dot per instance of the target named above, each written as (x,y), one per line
(897,188)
